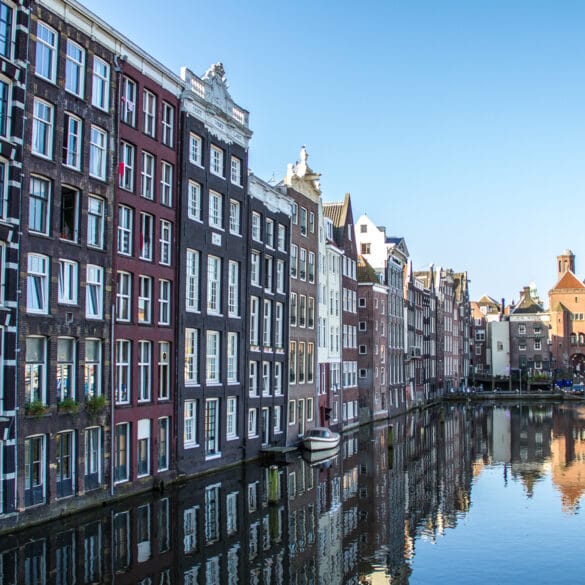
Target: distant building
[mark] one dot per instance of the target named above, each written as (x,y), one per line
(529,328)
(567,319)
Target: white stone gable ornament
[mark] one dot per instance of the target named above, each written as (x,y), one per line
(217,87)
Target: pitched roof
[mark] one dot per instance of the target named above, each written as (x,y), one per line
(365,272)
(526,304)
(568,280)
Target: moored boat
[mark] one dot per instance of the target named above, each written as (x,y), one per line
(320,438)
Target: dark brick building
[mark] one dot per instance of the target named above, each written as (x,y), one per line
(212,308)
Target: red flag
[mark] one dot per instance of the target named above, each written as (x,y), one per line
(121,168)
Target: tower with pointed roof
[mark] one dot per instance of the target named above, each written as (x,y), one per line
(567,319)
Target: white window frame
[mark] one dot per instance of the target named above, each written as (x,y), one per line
(74,69)
(124,296)
(96,218)
(100,92)
(94,292)
(37,284)
(146,237)
(164,302)
(216,157)
(144,370)
(145,290)
(147,175)
(98,146)
(194,200)
(214,285)
(68,282)
(252,422)
(123,367)
(148,113)
(192,280)
(125,230)
(165,241)
(195,149)
(43,128)
(232,357)
(191,372)
(128,101)
(72,141)
(168,124)
(46,47)
(235,219)
(166,184)
(215,210)
(231,426)
(212,357)
(127,162)
(233,289)
(92,371)
(164,370)
(236,171)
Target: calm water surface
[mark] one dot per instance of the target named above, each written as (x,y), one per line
(458,494)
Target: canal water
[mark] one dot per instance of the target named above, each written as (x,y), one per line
(463,493)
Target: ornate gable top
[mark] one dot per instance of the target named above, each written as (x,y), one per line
(302,177)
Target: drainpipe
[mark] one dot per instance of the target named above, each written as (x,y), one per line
(118,61)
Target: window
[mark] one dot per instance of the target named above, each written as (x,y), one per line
(267,323)
(163,443)
(191,357)
(35,370)
(291,412)
(311,222)
(92,372)
(146,236)
(74,69)
(537,344)
(213,285)
(256,227)
(254,320)
(125,230)
(233,289)
(122,452)
(128,102)
(365,249)
(72,142)
(212,357)
(522,346)
(294,262)
(38,210)
(194,201)
(147,176)
(192,281)
(265,378)
(302,363)
(279,326)
(69,224)
(522,329)
(94,292)
(216,161)
(278,419)
(3,184)
(212,427)
(168,124)
(100,89)
(148,113)
(231,417)
(164,371)
(126,169)
(68,282)
(235,221)
(310,409)
(46,52)
(311,313)
(195,149)
(164,302)
(5,30)
(280,276)
(252,422)
(166,184)
(311,267)
(293,309)
(190,424)
(277,379)
(95,222)
(215,210)
(281,238)
(303,222)
(303,264)
(165,242)
(293,362)
(97,153)
(92,465)
(232,357)
(236,171)
(144,299)
(302,311)
(253,378)
(42,129)
(34,470)
(255,269)
(268,278)
(37,284)
(122,371)
(66,370)
(144,370)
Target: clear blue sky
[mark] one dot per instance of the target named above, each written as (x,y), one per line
(459,125)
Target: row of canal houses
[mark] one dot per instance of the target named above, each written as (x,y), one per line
(163,311)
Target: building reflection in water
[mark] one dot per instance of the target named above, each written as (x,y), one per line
(354,517)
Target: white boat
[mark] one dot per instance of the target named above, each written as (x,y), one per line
(320,438)
(322,459)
